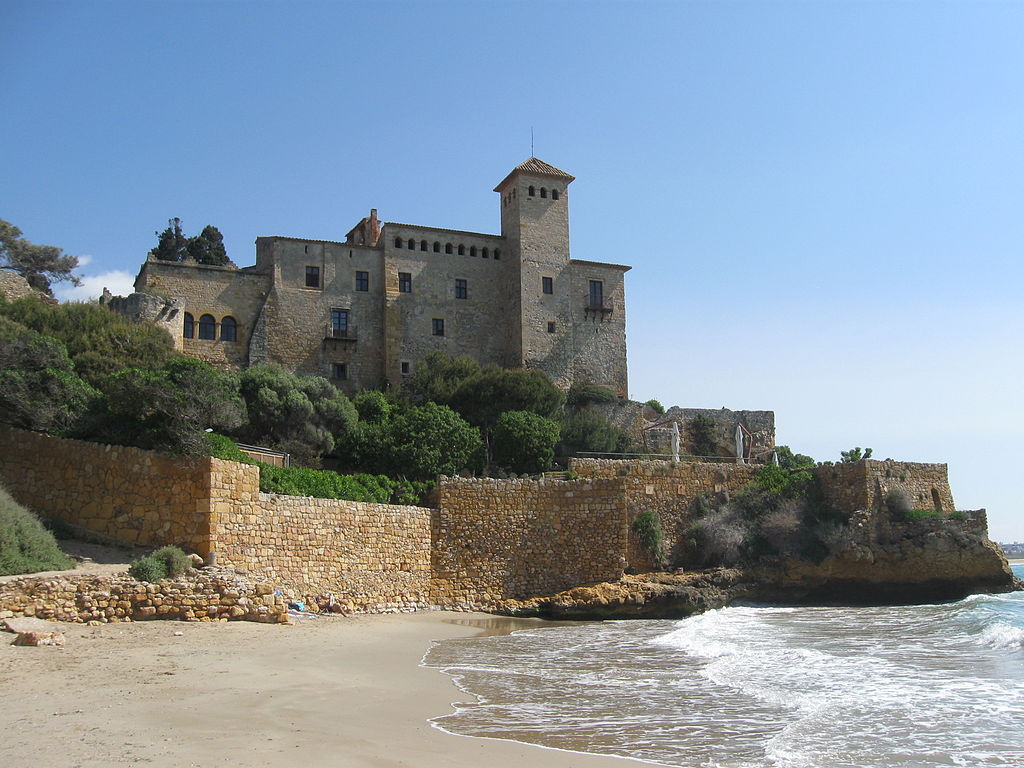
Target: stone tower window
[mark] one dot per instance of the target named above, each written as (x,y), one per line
(207,327)
(412,245)
(406,368)
(228,329)
(497,254)
(513,193)
(339,371)
(423,245)
(484,253)
(472,251)
(447,247)
(405,282)
(398,242)
(531,192)
(551,326)
(547,285)
(461,289)
(554,194)
(362,281)
(437,247)
(543,192)
(462,250)
(437,326)
(188,328)
(312,277)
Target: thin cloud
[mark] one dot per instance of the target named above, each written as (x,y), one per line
(119,282)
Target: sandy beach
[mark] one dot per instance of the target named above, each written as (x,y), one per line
(329,691)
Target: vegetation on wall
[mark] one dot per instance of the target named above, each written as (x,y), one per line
(656,406)
(206,248)
(854,454)
(25,544)
(647,528)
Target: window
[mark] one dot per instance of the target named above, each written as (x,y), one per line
(547,285)
(462,250)
(438,326)
(228,329)
(423,245)
(207,327)
(461,289)
(551,326)
(412,245)
(406,368)
(483,253)
(437,247)
(447,247)
(312,277)
(398,242)
(339,371)
(531,191)
(405,282)
(362,281)
(472,250)
(596,294)
(543,192)
(554,194)
(339,322)
(188,328)
(497,254)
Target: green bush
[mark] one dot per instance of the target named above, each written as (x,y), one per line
(175,561)
(701,431)
(148,568)
(25,544)
(958,515)
(324,484)
(647,527)
(922,514)
(221,447)
(580,395)
(897,503)
(656,406)
(525,442)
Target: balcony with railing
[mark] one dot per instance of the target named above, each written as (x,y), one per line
(599,305)
(343,333)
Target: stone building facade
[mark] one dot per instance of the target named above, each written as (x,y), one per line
(363,311)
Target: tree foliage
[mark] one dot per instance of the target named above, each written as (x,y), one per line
(524,441)
(789,460)
(301,415)
(701,431)
(590,432)
(206,248)
(39,389)
(25,545)
(854,454)
(40,265)
(171,244)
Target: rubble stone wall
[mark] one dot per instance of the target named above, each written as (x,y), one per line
(667,489)
(499,539)
(863,485)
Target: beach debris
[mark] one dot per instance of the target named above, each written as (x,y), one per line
(39,638)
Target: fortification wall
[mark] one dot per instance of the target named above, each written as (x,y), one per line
(667,489)
(498,539)
(863,485)
(128,495)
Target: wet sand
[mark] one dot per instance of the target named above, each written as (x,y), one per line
(329,691)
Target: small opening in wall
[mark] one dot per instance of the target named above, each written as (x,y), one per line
(551,326)
(543,192)
(462,250)
(398,242)
(531,192)
(437,247)
(448,248)
(554,194)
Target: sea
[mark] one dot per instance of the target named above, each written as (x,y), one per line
(755,686)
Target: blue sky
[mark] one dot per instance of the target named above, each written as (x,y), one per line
(821,200)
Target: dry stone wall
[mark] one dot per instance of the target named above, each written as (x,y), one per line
(499,539)
(863,485)
(127,495)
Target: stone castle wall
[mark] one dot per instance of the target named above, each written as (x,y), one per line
(863,485)
(13,286)
(667,489)
(498,539)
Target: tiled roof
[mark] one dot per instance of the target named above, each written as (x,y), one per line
(538,168)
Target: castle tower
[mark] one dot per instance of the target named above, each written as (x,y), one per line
(535,223)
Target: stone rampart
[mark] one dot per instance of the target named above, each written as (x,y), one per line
(864,485)
(499,539)
(126,495)
(667,489)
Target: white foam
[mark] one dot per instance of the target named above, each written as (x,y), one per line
(1003,637)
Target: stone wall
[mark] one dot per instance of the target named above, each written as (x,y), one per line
(863,485)
(499,539)
(127,495)
(13,286)
(667,489)
(198,596)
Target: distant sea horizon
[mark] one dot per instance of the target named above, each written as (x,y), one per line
(755,686)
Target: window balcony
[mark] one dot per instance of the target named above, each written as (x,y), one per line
(599,305)
(347,333)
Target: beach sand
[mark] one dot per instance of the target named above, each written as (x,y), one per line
(330,691)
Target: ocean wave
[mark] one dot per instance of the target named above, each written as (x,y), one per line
(1003,636)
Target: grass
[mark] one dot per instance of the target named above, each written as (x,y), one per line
(25,544)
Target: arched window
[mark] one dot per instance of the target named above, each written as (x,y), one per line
(543,192)
(531,191)
(189,326)
(398,242)
(437,247)
(228,329)
(447,247)
(412,245)
(462,250)
(497,254)
(472,250)
(423,245)
(513,193)
(207,327)
(483,253)
(554,194)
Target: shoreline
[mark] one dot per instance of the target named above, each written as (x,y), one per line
(328,691)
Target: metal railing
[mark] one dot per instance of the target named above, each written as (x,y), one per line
(348,332)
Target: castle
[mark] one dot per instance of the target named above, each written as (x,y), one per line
(362,312)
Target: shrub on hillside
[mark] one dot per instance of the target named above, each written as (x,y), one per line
(588,431)
(580,395)
(25,544)
(524,441)
(148,568)
(656,406)
(175,561)
(647,527)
